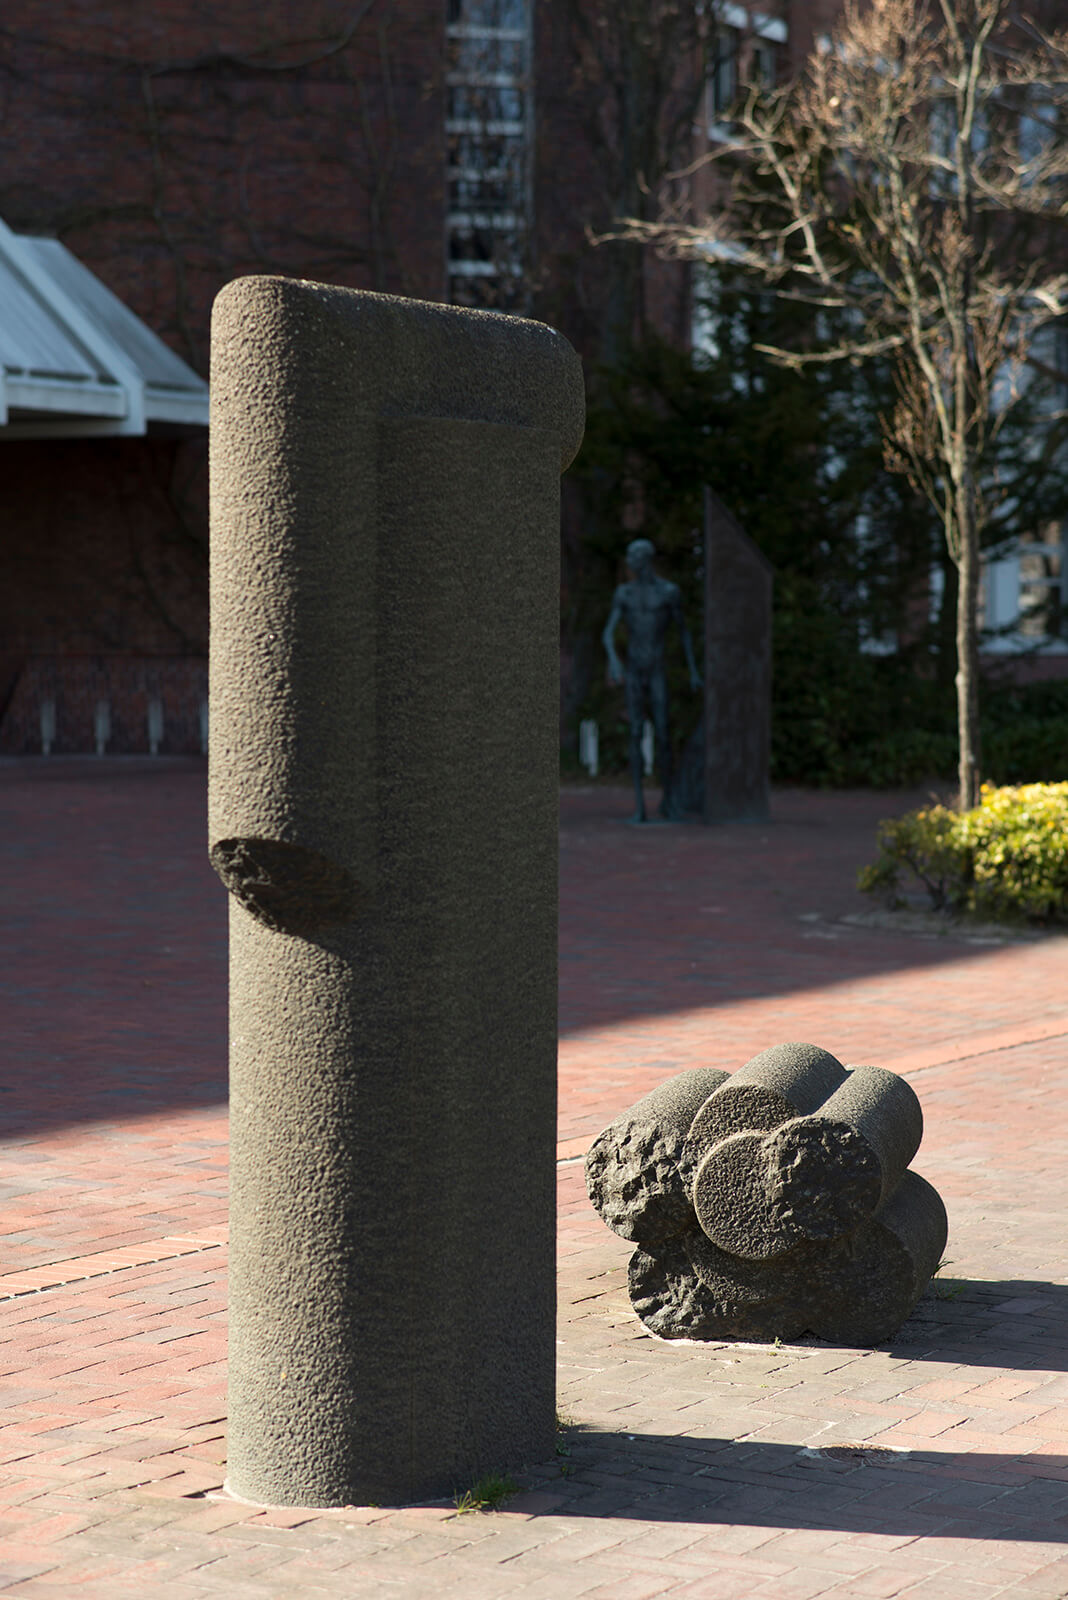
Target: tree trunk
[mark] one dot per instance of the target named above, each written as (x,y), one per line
(967,679)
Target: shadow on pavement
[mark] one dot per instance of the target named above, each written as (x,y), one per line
(1018,1324)
(850,1484)
(112,942)
(851,1488)
(113,930)
(1014,1324)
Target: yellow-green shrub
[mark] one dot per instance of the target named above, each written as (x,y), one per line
(1007,859)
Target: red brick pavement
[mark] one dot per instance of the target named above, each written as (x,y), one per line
(935,1466)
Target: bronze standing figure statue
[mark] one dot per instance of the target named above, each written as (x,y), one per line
(647,604)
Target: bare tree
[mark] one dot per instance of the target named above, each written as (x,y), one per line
(909,184)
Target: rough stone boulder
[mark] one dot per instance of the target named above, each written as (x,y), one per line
(772,1202)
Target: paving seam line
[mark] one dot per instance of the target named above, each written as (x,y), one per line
(982,1045)
(568,1152)
(148,1259)
(945,1054)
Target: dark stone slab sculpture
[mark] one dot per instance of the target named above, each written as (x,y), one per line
(726,764)
(772,1202)
(383,811)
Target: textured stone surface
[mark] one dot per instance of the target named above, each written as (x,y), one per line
(636,1174)
(383,772)
(789,1208)
(783,1082)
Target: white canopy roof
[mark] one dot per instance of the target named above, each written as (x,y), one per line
(74,361)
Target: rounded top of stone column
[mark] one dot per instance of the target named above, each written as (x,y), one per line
(411,358)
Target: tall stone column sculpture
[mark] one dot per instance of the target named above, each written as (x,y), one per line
(383,811)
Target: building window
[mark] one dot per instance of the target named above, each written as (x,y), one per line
(746,52)
(764,62)
(1042,585)
(723,76)
(1025,595)
(1024,592)
(489,138)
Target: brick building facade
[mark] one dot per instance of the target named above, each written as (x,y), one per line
(398,146)
(172,148)
(444,149)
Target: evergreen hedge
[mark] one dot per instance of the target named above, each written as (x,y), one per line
(1024,740)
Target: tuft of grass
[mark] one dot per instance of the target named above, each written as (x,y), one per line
(488,1494)
(563,1448)
(943,1291)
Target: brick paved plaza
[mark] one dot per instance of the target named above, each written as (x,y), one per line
(935,1466)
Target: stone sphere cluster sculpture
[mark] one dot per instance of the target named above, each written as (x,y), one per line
(772,1202)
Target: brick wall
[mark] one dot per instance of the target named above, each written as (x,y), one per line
(172,147)
(103,556)
(580,170)
(806,20)
(176,146)
(73,704)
